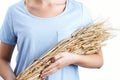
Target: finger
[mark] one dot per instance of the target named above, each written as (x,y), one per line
(43,78)
(53,65)
(55,58)
(49,72)
(58,56)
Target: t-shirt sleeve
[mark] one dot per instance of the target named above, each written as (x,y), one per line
(7,34)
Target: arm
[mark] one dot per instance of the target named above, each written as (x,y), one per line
(5,56)
(63,59)
(90,61)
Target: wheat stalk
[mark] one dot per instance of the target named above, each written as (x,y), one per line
(84,41)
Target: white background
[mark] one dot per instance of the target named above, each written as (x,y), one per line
(97,8)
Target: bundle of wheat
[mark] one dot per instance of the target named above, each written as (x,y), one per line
(84,41)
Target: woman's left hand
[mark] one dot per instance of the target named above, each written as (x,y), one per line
(59,61)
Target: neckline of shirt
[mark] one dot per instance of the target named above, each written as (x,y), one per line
(57,16)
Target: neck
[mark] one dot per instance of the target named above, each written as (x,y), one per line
(45,1)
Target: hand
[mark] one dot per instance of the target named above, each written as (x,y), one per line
(59,61)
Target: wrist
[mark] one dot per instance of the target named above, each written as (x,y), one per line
(75,58)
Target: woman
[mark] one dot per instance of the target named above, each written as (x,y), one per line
(36,26)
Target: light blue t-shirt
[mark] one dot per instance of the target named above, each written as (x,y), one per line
(34,35)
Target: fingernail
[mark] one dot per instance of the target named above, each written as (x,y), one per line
(52,60)
(43,78)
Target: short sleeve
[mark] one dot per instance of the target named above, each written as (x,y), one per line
(6,32)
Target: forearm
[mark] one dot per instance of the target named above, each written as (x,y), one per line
(5,71)
(90,61)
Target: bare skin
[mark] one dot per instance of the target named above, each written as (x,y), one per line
(64,59)
(47,9)
(5,57)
